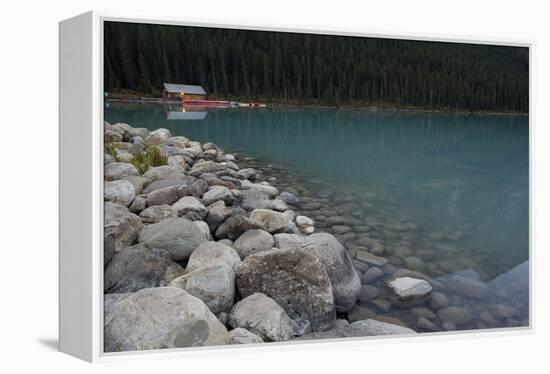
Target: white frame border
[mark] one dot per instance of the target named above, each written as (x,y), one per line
(97,354)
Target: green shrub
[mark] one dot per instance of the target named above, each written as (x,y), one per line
(152,156)
(110,149)
(156,156)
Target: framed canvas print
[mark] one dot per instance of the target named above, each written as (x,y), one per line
(239,186)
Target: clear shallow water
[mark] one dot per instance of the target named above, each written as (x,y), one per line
(458,183)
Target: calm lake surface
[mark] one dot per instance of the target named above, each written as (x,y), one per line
(462,181)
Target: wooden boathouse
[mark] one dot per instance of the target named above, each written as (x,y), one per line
(173,91)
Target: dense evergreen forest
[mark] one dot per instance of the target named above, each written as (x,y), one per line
(320,69)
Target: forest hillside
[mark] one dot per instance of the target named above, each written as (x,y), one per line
(316,69)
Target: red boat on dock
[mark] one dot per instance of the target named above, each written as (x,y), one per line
(221,103)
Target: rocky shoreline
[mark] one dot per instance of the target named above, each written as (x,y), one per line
(206,248)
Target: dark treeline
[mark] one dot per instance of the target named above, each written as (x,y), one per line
(306,68)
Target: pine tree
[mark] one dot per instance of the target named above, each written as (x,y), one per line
(145,83)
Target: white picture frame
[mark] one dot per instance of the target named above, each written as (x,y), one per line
(81,188)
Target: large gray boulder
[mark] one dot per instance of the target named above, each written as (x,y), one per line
(205,167)
(217,193)
(119,191)
(212,253)
(112,298)
(190,207)
(123,129)
(253,241)
(248,173)
(167,195)
(264,317)
(138,182)
(203,226)
(124,156)
(158,136)
(288,241)
(178,236)
(157,213)
(257,199)
(181,180)
(214,151)
(177,161)
(198,188)
(120,225)
(214,285)
(108,249)
(243,336)
(263,186)
(345,281)
(279,205)
(193,149)
(119,170)
(295,279)
(170,150)
(234,226)
(137,267)
(254,199)
(158,172)
(271,221)
(111,136)
(217,214)
(107,159)
(156,318)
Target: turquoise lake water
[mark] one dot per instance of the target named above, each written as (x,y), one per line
(457,176)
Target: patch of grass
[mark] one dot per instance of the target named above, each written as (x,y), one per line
(110,149)
(152,156)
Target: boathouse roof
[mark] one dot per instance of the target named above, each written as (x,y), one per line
(184,88)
